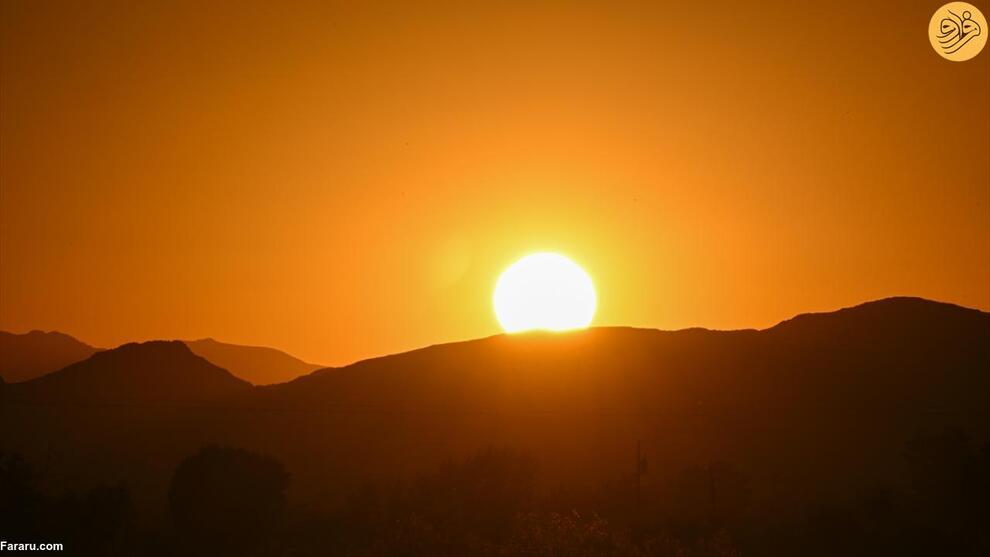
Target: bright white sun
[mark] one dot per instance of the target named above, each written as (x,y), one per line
(544,291)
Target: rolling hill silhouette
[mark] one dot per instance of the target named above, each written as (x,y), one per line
(255,364)
(812,407)
(29,355)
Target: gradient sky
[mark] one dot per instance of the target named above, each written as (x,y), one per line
(348,181)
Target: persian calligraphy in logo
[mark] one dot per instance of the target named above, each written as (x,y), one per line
(957,31)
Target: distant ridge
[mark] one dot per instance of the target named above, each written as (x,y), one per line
(29,355)
(816,404)
(887,311)
(37,353)
(156,371)
(255,364)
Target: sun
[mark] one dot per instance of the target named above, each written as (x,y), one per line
(545,291)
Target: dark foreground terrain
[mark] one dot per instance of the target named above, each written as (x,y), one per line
(858,432)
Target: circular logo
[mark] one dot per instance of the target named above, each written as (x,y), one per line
(958,31)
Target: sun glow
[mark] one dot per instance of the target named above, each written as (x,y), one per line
(544,291)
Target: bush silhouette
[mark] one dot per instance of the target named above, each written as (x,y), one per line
(481,495)
(20,501)
(97,522)
(227,500)
(950,482)
(717,493)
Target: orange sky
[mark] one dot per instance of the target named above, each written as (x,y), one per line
(343,182)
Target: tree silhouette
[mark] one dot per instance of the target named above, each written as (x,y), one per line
(717,493)
(950,481)
(96,523)
(481,495)
(226,500)
(20,501)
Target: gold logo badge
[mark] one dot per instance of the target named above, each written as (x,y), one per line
(958,31)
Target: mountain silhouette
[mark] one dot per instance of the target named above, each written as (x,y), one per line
(900,351)
(156,371)
(812,407)
(29,355)
(255,364)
